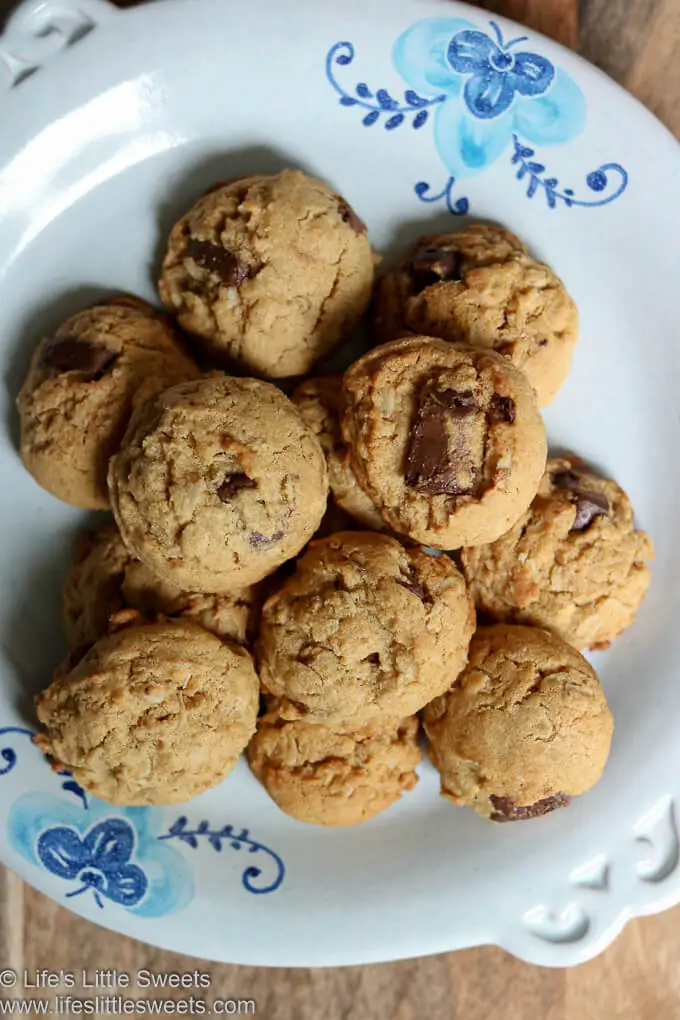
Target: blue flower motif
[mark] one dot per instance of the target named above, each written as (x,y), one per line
(496,74)
(100,861)
(110,851)
(487,92)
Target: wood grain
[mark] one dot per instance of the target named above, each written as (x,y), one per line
(556,18)
(638,977)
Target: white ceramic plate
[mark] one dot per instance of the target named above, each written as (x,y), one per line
(111,124)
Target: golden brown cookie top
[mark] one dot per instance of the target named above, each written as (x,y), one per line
(574,562)
(480,286)
(80,388)
(448,441)
(524,728)
(366,630)
(217,483)
(270,271)
(153,714)
(333,775)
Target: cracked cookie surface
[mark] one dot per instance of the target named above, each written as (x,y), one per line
(573,563)
(320,402)
(446,440)
(335,776)
(217,483)
(481,287)
(365,630)
(269,271)
(152,715)
(105,578)
(80,388)
(524,728)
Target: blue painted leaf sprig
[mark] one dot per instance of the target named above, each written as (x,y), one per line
(218,838)
(379,105)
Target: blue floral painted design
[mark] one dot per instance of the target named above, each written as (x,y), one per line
(120,855)
(486,95)
(534,174)
(495,74)
(100,861)
(93,850)
(502,92)
(8,754)
(240,840)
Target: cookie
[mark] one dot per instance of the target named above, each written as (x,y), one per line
(333,776)
(217,483)
(78,395)
(92,591)
(482,287)
(525,727)
(573,563)
(105,578)
(446,440)
(269,271)
(232,616)
(365,631)
(320,403)
(151,715)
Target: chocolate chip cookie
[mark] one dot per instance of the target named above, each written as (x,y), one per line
(365,631)
(152,715)
(271,272)
(320,402)
(573,563)
(446,440)
(217,483)
(333,775)
(105,579)
(524,728)
(78,394)
(481,287)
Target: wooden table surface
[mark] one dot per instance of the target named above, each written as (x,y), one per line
(638,978)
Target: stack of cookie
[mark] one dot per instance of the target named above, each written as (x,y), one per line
(180,615)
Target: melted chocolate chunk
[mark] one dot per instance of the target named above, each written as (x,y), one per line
(435,265)
(260,541)
(64,354)
(233,484)
(226,264)
(567,480)
(373,658)
(502,409)
(508,811)
(431,467)
(350,217)
(417,589)
(589,504)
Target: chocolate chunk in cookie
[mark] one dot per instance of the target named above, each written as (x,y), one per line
(438,462)
(589,503)
(502,409)
(350,217)
(216,259)
(507,811)
(65,354)
(435,264)
(260,541)
(233,484)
